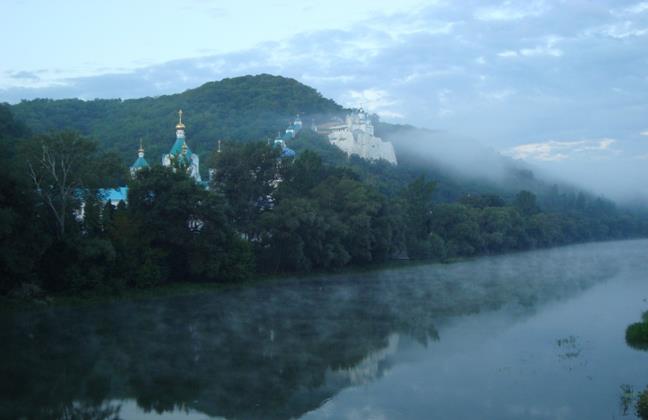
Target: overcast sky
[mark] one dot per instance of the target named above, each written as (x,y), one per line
(562,84)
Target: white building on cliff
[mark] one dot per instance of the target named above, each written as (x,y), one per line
(356,137)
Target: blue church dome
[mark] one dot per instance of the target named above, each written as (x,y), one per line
(287,152)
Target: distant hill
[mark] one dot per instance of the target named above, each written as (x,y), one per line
(242,109)
(253,108)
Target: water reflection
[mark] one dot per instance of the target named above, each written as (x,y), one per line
(626,399)
(273,351)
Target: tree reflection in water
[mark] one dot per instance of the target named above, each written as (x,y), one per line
(271,351)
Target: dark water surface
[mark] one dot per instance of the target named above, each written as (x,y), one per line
(523,336)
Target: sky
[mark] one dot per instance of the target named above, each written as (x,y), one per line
(561,84)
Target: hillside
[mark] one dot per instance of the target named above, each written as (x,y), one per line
(448,197)
(244,108)
(255,108)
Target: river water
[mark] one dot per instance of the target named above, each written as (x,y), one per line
(534,335)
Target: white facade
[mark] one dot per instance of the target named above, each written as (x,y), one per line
(356,137)
(193,169)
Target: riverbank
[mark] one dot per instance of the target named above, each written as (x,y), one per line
(8,304)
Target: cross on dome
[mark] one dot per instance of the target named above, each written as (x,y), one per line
(180,125)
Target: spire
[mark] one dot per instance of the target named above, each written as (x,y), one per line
(180,125)
(219,146)
(140,162)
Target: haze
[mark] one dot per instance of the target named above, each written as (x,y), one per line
(559,84)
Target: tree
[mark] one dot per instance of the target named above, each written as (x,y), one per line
(526,203)
(22,239)
(64,169)
(137,263)
(458,226)
(187,225)
(246,175)
(304,174)
(10,128)
(356,206)
(293,237)
(502,229)
(482,201)
(416,201)
(642,405)
(56,165)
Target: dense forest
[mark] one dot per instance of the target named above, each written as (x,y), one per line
(262,214)
(249,108)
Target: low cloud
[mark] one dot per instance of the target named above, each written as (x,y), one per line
(638,8)
(507,54)
(547,48)
(24,75)
(553,150)
(635,9)
(498,95)
(619,30)
(373,100)
(342,78)
(444,98)
(510,11)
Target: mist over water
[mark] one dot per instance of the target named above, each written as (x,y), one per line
(448,340)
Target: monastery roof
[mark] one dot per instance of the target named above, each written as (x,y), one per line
(176,149)
(287,152)
(140,162)
(114,194)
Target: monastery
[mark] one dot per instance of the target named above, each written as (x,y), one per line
(355,136)
(181,157)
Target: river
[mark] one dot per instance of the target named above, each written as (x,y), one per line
(534,335)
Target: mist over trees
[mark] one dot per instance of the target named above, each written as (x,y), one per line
(262,214)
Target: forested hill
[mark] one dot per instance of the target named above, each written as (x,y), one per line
(254,108)
(241,109)
(328,212)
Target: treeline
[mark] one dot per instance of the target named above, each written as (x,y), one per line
(261,214)
(325,216)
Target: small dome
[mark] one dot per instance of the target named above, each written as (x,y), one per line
(288,152)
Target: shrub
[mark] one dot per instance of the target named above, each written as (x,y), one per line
(27,291)
(637,335)
(642,405)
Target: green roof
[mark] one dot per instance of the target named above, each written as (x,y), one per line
(140,162)
(177,147)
